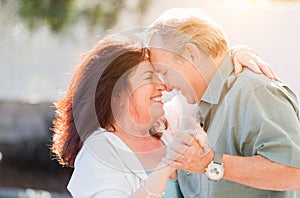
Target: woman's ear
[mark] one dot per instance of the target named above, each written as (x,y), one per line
(193,53)
(118,99)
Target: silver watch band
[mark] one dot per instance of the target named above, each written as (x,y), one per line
(218,158)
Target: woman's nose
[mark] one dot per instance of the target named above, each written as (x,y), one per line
(166,83)
(162,79)
(159,84)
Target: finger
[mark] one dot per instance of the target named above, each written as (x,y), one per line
(195,125)
(274,74)
(183,159)
(271,70)
(254,67)
(265,68)
(174,164)
(173,155)
(186,137)
(178,146)
(179,165)
(203,140)
(200,136)
(175,149)
(237,66)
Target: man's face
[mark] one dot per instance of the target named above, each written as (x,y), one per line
(177,73)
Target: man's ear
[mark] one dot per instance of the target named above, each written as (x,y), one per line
(192,51)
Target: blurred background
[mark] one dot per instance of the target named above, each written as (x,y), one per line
(41,42)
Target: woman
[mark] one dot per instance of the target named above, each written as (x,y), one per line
(103,122)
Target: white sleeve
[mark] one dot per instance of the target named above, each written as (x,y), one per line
(94,178)
(173,114)
(178,113)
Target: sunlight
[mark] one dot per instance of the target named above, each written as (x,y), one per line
(30,193)
(247,3)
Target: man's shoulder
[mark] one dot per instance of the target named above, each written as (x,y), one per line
(250,80)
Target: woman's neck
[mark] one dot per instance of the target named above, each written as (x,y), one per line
(148,149)
(132,129)
(133,132)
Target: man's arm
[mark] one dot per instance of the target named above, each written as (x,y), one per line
(274,164)
(255,171)
(259,172)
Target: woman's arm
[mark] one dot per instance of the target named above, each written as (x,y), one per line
(100,173)
(244,56)
(155,184)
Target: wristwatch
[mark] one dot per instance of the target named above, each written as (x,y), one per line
(215,170)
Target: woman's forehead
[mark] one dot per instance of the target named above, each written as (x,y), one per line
(144,67)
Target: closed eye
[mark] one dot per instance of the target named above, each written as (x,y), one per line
(148,75)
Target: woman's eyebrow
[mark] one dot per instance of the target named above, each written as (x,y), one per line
(151,72)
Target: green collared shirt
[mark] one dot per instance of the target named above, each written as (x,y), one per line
(246,115)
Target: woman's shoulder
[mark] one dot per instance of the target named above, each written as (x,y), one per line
(98,147)
(98,162)
(98,134)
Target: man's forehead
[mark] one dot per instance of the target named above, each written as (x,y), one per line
(157,47)
(155,41)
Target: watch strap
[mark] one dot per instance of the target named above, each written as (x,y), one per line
(218,157)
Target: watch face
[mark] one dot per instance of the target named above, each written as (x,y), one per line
(214,171)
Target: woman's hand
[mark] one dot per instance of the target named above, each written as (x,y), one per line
(244,56)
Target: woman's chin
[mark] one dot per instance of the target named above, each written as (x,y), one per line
(156,111)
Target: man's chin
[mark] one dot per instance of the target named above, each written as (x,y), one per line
(189,99)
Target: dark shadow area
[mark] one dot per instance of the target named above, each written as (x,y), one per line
(25,137)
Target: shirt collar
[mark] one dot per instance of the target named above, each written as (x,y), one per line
(213,92)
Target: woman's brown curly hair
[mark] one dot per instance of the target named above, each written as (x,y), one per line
(86,105)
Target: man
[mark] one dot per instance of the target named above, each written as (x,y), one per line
(252,122)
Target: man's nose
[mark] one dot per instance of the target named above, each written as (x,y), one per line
(159,84)
(167,85)
(168,89)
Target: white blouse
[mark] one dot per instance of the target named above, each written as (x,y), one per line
(106,167)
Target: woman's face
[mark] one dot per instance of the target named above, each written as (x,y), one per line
(145,100)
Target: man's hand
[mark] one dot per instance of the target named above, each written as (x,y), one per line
(190,150)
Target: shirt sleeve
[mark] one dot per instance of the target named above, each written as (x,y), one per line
(172,114)
(94,177)
(178,113)
(271,125)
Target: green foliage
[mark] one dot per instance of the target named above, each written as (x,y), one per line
(53,13)
(59,14)
(104,14)
(142,6)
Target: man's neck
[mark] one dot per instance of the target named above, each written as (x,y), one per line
(218,60)
(208,70)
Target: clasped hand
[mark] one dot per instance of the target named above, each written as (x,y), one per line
(190,150)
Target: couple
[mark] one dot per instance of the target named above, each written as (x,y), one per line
(242,142)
